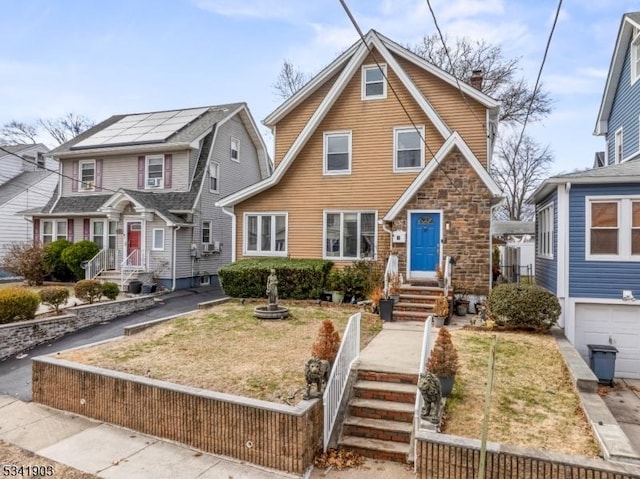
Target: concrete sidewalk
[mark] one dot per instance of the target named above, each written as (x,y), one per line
(110,451)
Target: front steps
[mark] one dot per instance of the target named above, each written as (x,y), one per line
(417,299)
(115,276)
(379,421)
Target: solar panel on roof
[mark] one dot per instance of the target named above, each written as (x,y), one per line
(142,128)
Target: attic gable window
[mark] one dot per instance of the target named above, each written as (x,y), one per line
(635,56)
(235,149)
(374,84)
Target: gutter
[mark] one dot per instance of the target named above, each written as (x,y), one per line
(173,262)
(229,211)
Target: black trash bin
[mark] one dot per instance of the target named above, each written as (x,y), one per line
(602,361)
(135,286)
(386,309)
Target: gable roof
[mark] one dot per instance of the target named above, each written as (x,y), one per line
(455,140)
(21,183)
(347,65)
(15,149)
(627,172)
(627,24)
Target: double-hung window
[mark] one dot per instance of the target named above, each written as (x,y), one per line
(235,149)
(158,239)
(47,232)
(544,231)
(409,148)
(374,84)
(214,177)
(265,234)
(206,232)
(349,234)
(337,153)
(613,229)
(87,175)
(155,172)
(618,146)
(53,230)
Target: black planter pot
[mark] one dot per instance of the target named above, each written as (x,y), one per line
(446,385)
(386,309)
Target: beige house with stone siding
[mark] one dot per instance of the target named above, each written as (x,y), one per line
(380,150)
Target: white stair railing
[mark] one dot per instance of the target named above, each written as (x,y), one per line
(104,260)
(448,272)
(130,265)
(424,355)
(347,355)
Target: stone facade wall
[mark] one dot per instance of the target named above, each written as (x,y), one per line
(466,208)
(268,434)
(24,335)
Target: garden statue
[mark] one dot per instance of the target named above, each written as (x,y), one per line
(429,387)
(272,287)
(316,371)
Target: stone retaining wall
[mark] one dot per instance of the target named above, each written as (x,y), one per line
(268,434)
(24,335)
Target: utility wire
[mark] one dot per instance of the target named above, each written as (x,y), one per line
(537,85)
(406,112)
(446,51)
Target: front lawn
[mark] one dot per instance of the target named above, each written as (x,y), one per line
(533,403)
(226,349)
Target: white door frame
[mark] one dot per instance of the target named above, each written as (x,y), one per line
(422,275)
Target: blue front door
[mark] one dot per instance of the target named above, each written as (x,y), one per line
(425,244)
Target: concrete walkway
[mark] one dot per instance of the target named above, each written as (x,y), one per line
(395,349)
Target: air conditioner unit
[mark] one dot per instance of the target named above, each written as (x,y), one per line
(153,182)
(212,247)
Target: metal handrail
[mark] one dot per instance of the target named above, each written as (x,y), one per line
(347,354)
(130,265)
(104,260)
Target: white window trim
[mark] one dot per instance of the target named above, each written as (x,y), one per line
(326,136)
(146,172)
(401,129)
(154,247)
(217,166)
(624,228)
(618,146)
(548,253)
(383,67)
(635,55)
(54,229)
(237,160)
(210,231)
(258,251)
(81,185)
(341,213)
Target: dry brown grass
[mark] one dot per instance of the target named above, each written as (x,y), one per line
(13,455)
(226,349)
(533,403)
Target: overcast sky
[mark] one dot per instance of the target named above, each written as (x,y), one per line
(126,56)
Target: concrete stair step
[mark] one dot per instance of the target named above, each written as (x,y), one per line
(379,409)
(387,377)
(378,429)
(417,287)
(385,391)
(408,304)
(376,448)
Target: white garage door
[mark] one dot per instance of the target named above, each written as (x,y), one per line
(614,324)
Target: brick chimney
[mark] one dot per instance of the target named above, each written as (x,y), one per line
(476,79)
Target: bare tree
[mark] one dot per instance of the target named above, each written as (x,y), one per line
(290,80)
(18,132)
(66,127)
(501,75)
(519,175)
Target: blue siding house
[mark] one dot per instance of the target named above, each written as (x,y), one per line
(588,222)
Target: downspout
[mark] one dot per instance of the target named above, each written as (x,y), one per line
(384,227)
(229,211)
(173,261)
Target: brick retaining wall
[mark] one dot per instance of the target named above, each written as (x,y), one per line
(441,456)
(268,434)
(24,335)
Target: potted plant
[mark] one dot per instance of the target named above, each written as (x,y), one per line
(443,361)
(395,282)
(335,284)
(440,276)
(376,296)
(461,303)
(440,311)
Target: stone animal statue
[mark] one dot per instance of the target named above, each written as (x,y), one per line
(429,387)
(316,371)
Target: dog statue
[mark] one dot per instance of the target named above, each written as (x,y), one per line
(316,371)
(429,387)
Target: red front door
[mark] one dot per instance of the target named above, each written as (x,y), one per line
(133,237)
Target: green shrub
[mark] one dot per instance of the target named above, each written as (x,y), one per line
(74,255)
(297,278)
(523,306)
(54,296)
(53,263)
(17,304)
(26,260)
(88,290)
(110,290)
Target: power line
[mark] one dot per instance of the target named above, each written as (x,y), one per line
(535,89)
(446,51)
(406,112)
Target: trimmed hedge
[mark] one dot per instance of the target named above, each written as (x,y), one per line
(297,278)
(17,304)
(88,290)
(75,254)
(523,306)
(110,290)
(54,296)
